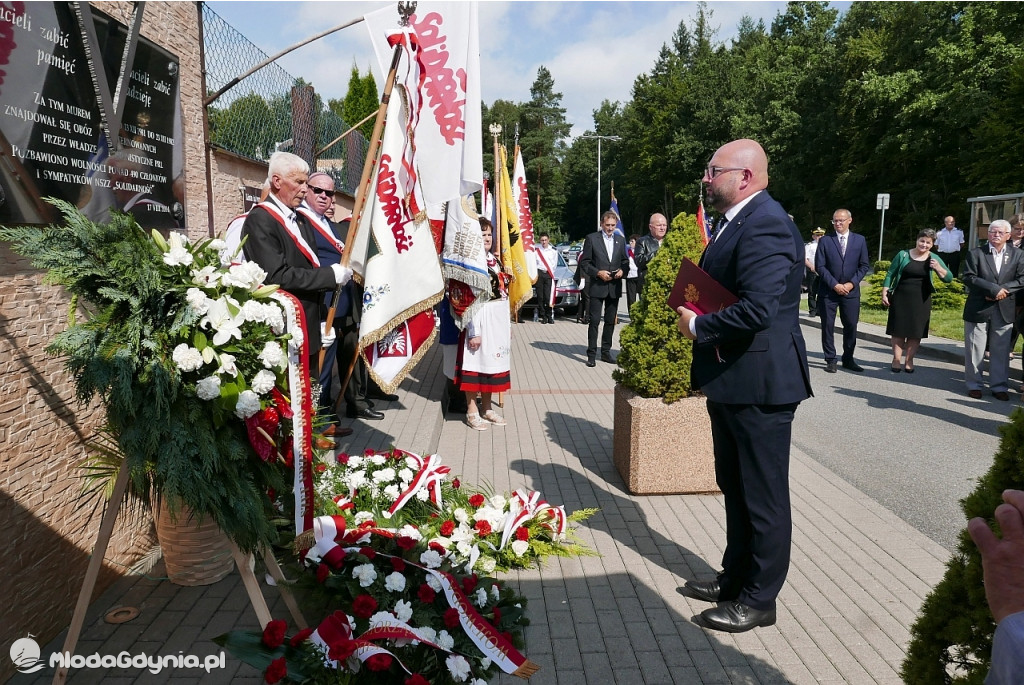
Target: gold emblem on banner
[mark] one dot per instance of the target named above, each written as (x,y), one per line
(691,293)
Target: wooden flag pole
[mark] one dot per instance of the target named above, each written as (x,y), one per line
(406,10)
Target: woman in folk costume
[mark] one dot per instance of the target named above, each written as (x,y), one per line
(483,364)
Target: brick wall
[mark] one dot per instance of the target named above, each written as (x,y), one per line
(49,526)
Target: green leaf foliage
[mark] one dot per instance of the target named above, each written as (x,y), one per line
(951,641)
(121,353)
(654,358)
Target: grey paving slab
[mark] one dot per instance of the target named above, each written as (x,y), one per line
(859,573)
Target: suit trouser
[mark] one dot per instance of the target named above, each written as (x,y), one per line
(996,333)
(752,445)
(544,295)
(952,260)
(812,292)
(611,310)
(849,315)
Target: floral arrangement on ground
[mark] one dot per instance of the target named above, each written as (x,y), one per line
(188,352)
(404,557)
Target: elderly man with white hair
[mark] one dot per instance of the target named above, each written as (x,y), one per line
(283,243)
(992,274)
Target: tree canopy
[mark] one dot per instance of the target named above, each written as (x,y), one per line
(919,100)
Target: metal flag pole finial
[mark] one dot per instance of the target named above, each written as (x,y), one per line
(405,10)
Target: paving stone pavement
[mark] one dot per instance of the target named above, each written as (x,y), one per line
(857,580)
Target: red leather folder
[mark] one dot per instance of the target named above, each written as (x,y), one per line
(697,291)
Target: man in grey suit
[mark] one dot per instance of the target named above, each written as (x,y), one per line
(604,262)
(991,273)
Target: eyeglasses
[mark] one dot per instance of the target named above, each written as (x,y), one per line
(712,172)
(839,221)
(321,191)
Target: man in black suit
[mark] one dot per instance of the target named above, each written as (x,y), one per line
(992,274)
(284,245)
(841,261)
(318,202)
(604,263)
(750,361)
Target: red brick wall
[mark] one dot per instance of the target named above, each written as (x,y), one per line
(49,526)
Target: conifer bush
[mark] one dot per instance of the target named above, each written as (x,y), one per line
(951,641)
(654,357)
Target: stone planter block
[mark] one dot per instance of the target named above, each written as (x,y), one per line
(663,449)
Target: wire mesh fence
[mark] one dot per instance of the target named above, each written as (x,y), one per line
(271,109)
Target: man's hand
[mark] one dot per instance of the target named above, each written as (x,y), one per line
(342,274)
(473,343)
(1002,560)
(604,276)
(1002,294)
(685,315)
(618,273)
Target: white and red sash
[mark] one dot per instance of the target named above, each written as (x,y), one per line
(550,268)
(325,231)
(291,229)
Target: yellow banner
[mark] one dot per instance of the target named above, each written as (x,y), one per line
(513,258)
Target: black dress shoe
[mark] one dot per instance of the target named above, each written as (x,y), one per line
(733,617)
(1001,395)
(707,591)
(368,414)
(591,362)
(830,367)
(853,366)
(608,358)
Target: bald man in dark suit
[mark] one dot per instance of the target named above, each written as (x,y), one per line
(750,361)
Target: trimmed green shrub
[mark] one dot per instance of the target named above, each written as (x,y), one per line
(654,358)
(951,641)
(946,296)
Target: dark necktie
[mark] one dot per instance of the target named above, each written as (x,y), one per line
(720,223)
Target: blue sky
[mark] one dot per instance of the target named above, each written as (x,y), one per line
(594,50)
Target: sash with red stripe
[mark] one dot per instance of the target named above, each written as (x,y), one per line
(551,272)
(319,228)
(294,234)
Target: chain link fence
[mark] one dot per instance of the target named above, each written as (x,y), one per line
(271,109)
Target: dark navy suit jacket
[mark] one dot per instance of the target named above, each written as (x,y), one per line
(833,268)
(594,258)
(760,259)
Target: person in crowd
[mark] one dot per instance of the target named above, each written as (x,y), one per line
(910,305)
(233,233)
(810,275)
(841,261)
(1001,563)
(647,246)
(284,245)
(633,275)
(605,264)
(582,311)
(949,241)
(483,364)
(750,362)
(992,274)
(1017,240)
(315,207)
(547,260)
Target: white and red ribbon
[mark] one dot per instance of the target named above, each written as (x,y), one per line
(301,393)
(430,474)
(291,229)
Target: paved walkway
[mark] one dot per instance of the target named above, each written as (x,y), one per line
(858,575)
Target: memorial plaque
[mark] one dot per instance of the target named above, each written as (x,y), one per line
(53,141)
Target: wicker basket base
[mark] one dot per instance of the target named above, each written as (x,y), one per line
(196,552)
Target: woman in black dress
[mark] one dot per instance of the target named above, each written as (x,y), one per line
(907,292)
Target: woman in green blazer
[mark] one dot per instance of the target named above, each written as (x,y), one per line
(907,292)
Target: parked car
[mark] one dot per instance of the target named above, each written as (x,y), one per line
(567,293)
(571,253)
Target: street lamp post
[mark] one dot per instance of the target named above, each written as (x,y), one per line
(599,139)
